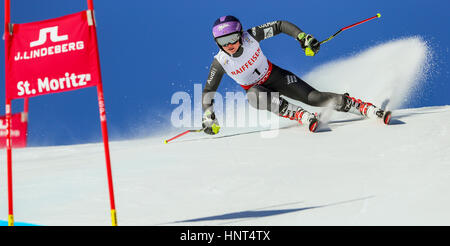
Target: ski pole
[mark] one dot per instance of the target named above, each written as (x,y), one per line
(311,53)
(183,133)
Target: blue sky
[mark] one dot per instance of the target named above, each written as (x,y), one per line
(152,49)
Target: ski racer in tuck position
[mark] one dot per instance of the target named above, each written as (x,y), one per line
(241,58)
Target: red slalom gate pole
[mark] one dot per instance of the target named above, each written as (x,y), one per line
(25,111)
(8,120)
(102,110)
(26,105)
(9,163)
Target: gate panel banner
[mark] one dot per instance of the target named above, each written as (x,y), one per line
(52,56)
(18,132)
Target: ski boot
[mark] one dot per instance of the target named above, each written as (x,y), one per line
(365,109)
(300,115)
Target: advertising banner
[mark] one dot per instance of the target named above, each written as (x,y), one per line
(18,132)
(52,56)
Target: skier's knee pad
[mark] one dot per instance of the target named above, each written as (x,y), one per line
(324,99)
(253,97)
(261,98)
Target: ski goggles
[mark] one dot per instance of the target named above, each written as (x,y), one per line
(229,39)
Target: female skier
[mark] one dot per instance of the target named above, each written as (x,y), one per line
(240,57)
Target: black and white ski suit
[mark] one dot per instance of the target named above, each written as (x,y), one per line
(256,74)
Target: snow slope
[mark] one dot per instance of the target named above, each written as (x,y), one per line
(356,172)
(351,172)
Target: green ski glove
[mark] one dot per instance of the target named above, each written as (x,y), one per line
(210,123)
(309,43)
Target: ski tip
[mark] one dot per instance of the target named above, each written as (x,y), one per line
(387,117)
(165,142)
(313,125)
